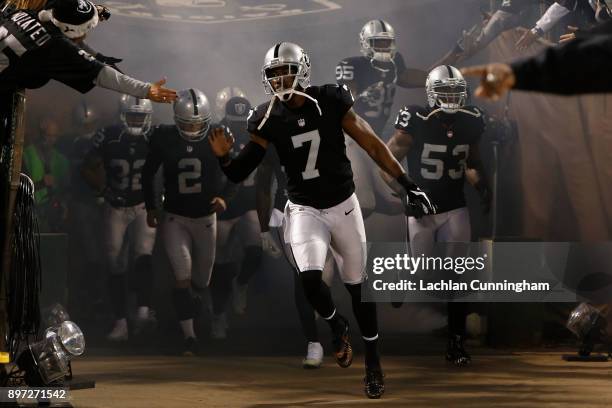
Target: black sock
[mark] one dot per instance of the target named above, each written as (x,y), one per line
(143,267)
(319,296)
(457,313)
(305,310)
(184,303)
(365,313)
(221,286)
(250,264)
(118,295)
(372,356)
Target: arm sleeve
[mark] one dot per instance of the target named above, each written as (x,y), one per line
(229,191)
(552,16)
(247,160)
(400,65)
(152,163)
(406,121)
(110,78)
(581,66)
(341,97)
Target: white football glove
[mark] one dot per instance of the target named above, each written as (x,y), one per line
(269,245)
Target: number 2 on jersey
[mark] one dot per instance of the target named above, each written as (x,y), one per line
(191,169)
(315,140)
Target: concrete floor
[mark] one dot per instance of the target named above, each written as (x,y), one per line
(539,379)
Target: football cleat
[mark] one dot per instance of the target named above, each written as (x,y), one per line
(145,323)
(190,347)
(119,331)
(374,383)
(343,351)
(314,355)
(456,353)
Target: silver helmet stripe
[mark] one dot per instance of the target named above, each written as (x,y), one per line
(276,49)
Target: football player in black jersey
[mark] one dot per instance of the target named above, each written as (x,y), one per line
(441,144)
(85,215)
(194,192)
(270,213)
(372,78)
(114,168)
(238,241)
(306,125)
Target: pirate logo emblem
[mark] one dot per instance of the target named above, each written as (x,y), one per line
(240,108)
(84,6)
(189,149)
(301,122)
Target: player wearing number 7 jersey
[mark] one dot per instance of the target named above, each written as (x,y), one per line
(305,124)
(441,144)
(195,190)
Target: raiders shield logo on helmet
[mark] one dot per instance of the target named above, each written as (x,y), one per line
(240,108)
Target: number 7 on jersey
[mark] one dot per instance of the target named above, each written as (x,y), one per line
(315,140)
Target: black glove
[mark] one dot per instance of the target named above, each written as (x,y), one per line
(417,203)
(112,197)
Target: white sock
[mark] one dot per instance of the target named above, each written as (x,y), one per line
(187,326)
(143,312)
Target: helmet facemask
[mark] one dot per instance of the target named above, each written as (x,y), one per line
(283,79)
(449,95)
(137,122)
(379,48)
(192,129)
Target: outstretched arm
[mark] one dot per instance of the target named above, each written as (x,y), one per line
(361,131)
(399,146)
(240,167)
(417,201)
(412,78)
(263,194)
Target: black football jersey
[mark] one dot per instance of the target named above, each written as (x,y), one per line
(123,156)
(440,150)
(244,200)
(310,145)
(191,172)
(34,52)
(375,86)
